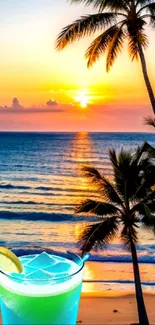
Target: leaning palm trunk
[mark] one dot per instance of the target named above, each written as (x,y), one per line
(146,78)
(143,319)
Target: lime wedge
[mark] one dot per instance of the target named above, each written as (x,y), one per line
(9,262)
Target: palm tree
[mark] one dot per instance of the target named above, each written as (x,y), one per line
(150,121)
(126,204)
(117,20)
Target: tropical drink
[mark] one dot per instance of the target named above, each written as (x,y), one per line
(47,291)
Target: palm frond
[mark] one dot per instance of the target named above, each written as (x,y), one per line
(129,233)
(148,7)
(103,4)
(110,193)
(134,40)
(148,150)
(92,173)
(113,158)
(134,173)
(148,170)
(145,178)
(103,185)
(124,174)
(142,208)
(124,159)
(85,26)
(99,234)
(85,2)
(115,46)
(133,48)
(148,201)
(118,173)
(142,3)
(116,5)
(148,222)
(139,153)
(149,121)
(97,208)
(99,45)
(143,190)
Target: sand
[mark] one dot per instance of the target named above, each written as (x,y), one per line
(113,310)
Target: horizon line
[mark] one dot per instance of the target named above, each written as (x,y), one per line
(35,131)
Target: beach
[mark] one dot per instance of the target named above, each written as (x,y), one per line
(113,310)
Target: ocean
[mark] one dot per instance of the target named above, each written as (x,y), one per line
(40,185)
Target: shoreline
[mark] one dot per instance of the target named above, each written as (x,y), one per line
(113,294)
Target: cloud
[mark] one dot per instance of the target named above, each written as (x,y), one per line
(50,107)
(52,103)
(15,104)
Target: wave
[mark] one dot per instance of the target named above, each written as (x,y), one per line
(35,216)
(20,202)
(23,202)
(64,189)
(147,259)
(34,203)
(43,188)
(10,186)
(43,216)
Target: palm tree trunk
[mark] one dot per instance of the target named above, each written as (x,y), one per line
(142,314)
(146,78)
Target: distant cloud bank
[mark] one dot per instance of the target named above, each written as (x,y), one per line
(50,107)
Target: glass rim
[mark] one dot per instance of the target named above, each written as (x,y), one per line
(52,279)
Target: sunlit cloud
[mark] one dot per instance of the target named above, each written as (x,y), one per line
(52,103)
(51,106)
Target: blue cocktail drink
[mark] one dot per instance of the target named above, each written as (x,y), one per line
(46,292)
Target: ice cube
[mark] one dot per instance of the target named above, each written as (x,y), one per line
(61,278)
(60,275)
(42,260)
(62,268)
(59,258)
(28,269)
(18,277)
(25,259)
(39,275)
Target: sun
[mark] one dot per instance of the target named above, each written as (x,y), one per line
(82,98)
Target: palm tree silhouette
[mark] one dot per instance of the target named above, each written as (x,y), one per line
(117,20)
(126,204)
(150,120)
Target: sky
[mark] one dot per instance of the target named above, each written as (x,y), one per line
(45,90)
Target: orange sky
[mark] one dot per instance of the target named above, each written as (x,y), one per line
(33,72)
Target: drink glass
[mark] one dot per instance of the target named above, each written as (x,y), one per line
(45,294)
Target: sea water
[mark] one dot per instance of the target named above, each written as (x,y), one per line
(46,292)
(41,184)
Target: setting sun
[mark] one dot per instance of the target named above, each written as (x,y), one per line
(83,98)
